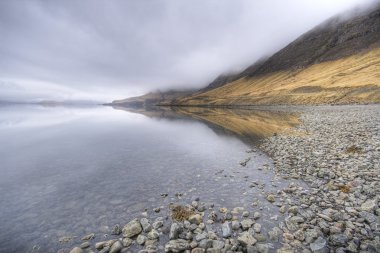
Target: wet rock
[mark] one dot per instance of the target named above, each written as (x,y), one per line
(177,245)
(158,224)
(132,228)
(88,237)
(319,246)
(226,229)
(116,247)
(146,226)
(271,198)
(116,230)
(246,239)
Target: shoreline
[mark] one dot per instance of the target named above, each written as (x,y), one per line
(339,212)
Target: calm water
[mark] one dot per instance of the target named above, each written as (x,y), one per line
(69,171)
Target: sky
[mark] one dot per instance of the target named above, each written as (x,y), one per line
(103,50)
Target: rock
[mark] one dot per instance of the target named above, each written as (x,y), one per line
(319,246)
(195,219)
(246,224)
(88,237)
(157,224)
(201,236)
(132,228)
(127,242)
(146,226)
(211,235)
(177,245)
(235,225)
(262,248)
(153,235)
(116,230)
(85,245)
(369,205)
(226,229)
(212,250)
(246,239)
(216,244)
(271,198)
(141,239)
(256,215)
(293,210)
(175,230)
(116,247)
(274,234)
(338,240)
(105,250)
(257,227)
(198,250)
(99,245)
(299,235)
(245,214)
(205,243)
(76,250)
(282,209)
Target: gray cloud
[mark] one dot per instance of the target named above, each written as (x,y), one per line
(113,49)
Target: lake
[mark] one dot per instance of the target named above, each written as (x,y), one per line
(70,171)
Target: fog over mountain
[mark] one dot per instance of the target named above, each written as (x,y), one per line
(105,50)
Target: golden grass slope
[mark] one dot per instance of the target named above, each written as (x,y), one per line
(355,79)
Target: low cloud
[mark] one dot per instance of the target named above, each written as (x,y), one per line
(113,49)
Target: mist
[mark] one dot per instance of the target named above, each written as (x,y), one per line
(105,50)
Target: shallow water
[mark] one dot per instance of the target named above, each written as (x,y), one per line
(69,171)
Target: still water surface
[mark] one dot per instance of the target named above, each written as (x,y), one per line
(69,171)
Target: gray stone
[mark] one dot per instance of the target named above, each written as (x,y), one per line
(146,226)
(153,235)
(257,227)
(338,239)
(175,230)
(246,224)
(205,243)
(132,228)
(235,225)
(76,250)
(177,245)
(195,219)
(116,247)
(141,239)
(246,239)
(369,205)
(216,244)
(226,229)
(127,242)
(262,248)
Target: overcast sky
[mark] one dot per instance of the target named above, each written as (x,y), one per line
(112,49)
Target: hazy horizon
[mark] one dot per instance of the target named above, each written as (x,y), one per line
(101,50)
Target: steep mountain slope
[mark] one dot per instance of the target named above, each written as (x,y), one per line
(336,62)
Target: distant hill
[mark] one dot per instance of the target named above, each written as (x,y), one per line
(336,62)
(152,98)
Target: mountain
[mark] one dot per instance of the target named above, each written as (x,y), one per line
(336,62)
(152,98)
